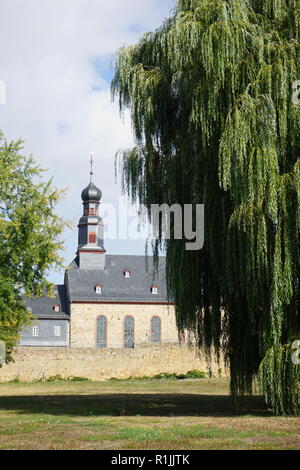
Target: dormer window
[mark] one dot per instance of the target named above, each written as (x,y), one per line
(154,290)
(98,289)
(56,308)
(126,273)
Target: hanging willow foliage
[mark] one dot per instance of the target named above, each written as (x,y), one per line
(215,122)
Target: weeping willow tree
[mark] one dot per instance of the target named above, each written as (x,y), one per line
(216,119)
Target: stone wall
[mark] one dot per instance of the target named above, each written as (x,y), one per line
(84,323)
(34,363)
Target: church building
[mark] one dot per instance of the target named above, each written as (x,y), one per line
(106,301)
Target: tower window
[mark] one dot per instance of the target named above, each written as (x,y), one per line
(92,210)
(35,330)
(126,273)
(86,211)
(56,308)
(92,237)
(57,330)
(98,289)
(154,290)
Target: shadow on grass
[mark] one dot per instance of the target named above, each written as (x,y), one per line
(134,404)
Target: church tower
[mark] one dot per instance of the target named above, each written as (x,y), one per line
(91,252)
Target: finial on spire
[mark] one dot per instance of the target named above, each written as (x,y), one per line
(91,163)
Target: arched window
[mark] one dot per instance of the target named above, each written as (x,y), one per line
(101,332)
(181,336)
(155,330)
(128,332)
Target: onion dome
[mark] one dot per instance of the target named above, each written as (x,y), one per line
(91,193)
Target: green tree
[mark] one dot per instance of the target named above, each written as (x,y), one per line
(29,238)
(216,121)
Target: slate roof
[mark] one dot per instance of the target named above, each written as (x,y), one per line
(115,287)
(42,307)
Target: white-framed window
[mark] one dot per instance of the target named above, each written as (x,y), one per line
(98,289)
(56,308)
(57,330)
(127,273)
(154,290)
(35,330)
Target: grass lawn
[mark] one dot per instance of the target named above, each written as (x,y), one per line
(149,414)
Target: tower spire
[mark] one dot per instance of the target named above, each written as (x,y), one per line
(91,164)
(91,252)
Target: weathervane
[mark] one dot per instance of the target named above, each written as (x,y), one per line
(91,163)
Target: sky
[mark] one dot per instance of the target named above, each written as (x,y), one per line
(55,70)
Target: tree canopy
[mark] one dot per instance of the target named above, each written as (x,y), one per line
(215,122)
(29,238)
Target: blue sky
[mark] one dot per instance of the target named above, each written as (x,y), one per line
(55,60)
(103,66)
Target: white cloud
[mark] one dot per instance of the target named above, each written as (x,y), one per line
(46,53)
